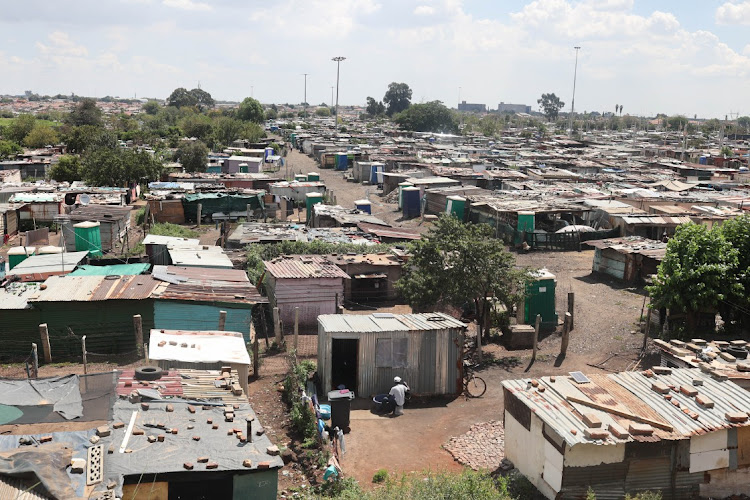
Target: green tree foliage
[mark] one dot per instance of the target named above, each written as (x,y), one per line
(226,130)
(375,108)
(104,166)
(20,127)
(744,122)
(198,126)
(193,156)
(67,169)
(86,112)
(551,105)
(428,117)
(677,122)
(323,112)
(151,107)
(79,139)
(41,135)
(183,98)
(459,264)
(251,110)
(203,99)
(397,98)
(271,114)
(9,149)
(697,273)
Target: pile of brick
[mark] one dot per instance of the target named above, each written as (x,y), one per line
(483,447)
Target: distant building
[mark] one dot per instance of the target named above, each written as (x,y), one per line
(473,108)
(513,108)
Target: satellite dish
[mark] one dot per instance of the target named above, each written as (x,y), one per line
(85,199)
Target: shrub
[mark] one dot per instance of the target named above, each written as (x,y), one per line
(168,229)
(380,476)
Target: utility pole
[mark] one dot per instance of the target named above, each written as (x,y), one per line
(338,60)
(305,74)
(573,101)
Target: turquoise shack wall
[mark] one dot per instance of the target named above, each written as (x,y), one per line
(257,485)
(176,315)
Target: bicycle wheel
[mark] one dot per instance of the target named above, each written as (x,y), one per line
(475,387)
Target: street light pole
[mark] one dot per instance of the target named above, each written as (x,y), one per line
(573,101)
(305,93)
(332,95)
(338,60)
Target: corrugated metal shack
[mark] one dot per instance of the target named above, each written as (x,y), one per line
(9,220)
(114,223)
(721,356)
(309,282)
(157,247)
(373,276)
(364,353)
(682,432)
(38,207)
(630,259)
(192,298)
(221,204)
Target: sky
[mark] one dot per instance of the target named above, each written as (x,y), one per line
(688,57)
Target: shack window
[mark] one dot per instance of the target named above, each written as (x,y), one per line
(391,353)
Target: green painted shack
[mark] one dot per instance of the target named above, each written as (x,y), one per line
(221,203)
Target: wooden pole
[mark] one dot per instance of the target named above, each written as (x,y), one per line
(83,350)
(276,325)
(35,360)
(222,320)
(536,335)
(621,413)
(648,329)
(565,335)
(296,327)
(249,210)
(200,209)
(138,327)
(571,308)
(44,333)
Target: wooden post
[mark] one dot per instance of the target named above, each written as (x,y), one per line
(222,320)
(565,335)
(138,327)
(145,353)
(282,209)
(44,332)
(296,327)
(83,351)
(648,329)
(276,325)
(200,209)
(536,335)
(249,210)
(571,308)
(35,360)
(337,303)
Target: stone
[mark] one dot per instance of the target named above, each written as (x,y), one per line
(160,438)
(94,439)
(640,429)
(112,485)
(162,343)
(190,426)
(161,425)
(591,420)
(688,391)
(288,455)
(144,406)
(206,407)
(736,416)
(77,465)
(647,373)
(128,450)
(272,450)
(202,460)
(660,388)
(704,401)
(230,432)
(260,431)
(618,431)
(212,465)
(188,465)
(111,448)
(151,439)
(118,425)
(169,408)
(247,463)
(196,438)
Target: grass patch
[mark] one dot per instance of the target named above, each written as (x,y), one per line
(168,229)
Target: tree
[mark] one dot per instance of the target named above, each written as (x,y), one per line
(397,98)
(428,117)
(67,169)
(271,114)
(226,130)
(151,107)
(118,166)
(181,97)
(251,111)
(375,108)
(737,233)
(744,122)
(79,139)
(697,273)
(41,135)
(198,126)
(9,149)
(677,122)
(20,127)
(551,105)
(458,264)
(193,156)
(323,112)
(203,99)
(86,112)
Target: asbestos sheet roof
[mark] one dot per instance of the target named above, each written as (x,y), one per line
(206,256)
(40,267)
(97,288)
(632,392)
(303,267)
(202,346)
(16,295)
(356,323)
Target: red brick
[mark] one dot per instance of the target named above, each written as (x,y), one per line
(45,439)
(191,409)
(160,438)
(144,406)
(704,401)
(212,465)
(264,465)
(188,465)
(591,420)
(118,425)
(196,438)
(202,460)
(689,391)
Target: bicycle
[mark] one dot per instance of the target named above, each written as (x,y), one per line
(474,386)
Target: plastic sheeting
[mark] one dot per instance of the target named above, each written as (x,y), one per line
(61,392)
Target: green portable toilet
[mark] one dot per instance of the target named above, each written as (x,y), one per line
(88,238)
(401,187)
(540,299)
(525,225)
(456,206)
(313,176)
(16,255)
(243,168)
(300,177)
(293,138)
(310,200)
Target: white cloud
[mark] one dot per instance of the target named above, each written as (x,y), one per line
(187,5)
(424,10)
(733,13)
(61,45)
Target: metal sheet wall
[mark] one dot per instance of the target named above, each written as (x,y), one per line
(176,315)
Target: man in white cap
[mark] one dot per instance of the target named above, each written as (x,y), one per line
(398,395)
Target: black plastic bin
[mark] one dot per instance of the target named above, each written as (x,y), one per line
(341,405)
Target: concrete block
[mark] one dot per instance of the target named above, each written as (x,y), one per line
(618,431)
(151,439)
(704,401)
(77,465)
(94,439)
(640,429)
(688,391)
(662,370)
(736,416)
(660,388)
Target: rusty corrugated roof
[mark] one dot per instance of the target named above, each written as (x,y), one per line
(302,267)
(205,285)
(96,288)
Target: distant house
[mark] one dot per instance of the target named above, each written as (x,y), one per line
(681,432)
(472,107)
(513,108)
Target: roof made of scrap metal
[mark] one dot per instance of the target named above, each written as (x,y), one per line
(302,267)
(386,322)
(205,285)
(632,393)
(97,288)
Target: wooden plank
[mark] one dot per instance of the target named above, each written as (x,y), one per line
(621,413)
